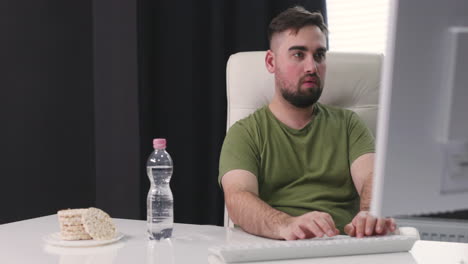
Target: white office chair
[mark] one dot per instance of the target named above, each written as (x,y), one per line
(352,81)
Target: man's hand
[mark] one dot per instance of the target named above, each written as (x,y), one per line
(313,224)
(364,224)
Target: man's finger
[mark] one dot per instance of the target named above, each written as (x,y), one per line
(380,226)
(350,230)
(370,225)
(298,233)
(330,221)
(359,222)
(314,229)
(391,224)
(325,226)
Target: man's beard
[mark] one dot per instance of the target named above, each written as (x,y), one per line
(302,98)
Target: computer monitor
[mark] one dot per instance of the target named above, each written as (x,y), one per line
(422,132)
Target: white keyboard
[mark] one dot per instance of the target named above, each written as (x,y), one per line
(316,247)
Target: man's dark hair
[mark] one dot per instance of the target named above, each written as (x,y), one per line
(295,18)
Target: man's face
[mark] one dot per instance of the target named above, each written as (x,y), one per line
(298,62)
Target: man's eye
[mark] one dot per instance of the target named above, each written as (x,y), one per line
(319,57)
(298,55)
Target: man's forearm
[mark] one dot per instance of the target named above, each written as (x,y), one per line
(255,216)
(366,193)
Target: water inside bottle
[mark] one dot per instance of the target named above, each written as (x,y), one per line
(159,174)
(160,199)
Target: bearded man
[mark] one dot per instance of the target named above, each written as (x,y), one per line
(295,168)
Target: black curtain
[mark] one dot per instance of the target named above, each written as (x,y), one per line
(183,47)
(47,157)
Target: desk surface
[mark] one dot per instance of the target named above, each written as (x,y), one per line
(22,242)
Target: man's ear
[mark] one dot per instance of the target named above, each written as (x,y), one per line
(270,61)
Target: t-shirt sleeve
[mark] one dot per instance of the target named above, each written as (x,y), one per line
(360,138)
(239,151)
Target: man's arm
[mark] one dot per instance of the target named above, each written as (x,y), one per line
(364,224)
(362,171)
(255,216)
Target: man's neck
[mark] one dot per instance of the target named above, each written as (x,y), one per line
(291,116)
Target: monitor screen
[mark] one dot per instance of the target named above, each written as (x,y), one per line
(422,131)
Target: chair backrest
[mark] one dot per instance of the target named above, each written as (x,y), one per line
(352,82)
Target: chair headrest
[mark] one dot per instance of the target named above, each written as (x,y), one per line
(352,81)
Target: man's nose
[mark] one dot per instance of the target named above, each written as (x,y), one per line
(311,66)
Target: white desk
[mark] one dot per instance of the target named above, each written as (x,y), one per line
(21,242)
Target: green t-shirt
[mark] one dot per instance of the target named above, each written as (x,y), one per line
(304,170)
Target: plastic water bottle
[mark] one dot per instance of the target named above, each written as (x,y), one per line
(160,218)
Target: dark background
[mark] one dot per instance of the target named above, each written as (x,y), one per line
(86,85)
(47,138)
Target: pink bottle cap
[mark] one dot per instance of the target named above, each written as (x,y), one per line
(159,143)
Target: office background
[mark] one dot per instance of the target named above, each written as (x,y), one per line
(86,85)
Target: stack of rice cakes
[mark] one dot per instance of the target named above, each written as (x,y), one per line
(85,224)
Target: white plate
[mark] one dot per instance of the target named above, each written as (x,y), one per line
(55,240)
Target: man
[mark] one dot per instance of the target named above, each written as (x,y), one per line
(297,169)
